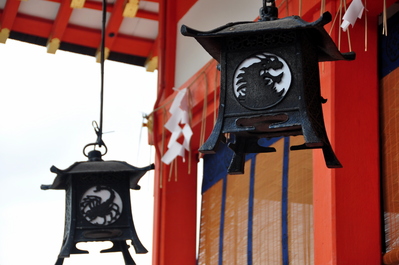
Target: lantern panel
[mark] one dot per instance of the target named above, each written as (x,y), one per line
(270,84)
(98,205)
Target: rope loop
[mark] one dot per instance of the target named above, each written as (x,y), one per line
(95,144)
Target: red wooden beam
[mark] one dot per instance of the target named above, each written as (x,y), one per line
(140,13)
(147,15)
(59,26)
(112,28)
(62,19)
(132,45)
(82,36)
(7,18)
(98,6)
(9,13)
(32,25)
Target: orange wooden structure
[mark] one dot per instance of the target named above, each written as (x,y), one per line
(347,212)
(347,201)
(75,26)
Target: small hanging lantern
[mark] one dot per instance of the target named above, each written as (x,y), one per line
(270,84)
(98,204)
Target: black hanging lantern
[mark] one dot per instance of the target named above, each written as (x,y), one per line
(270,85)
(98,194)
(98,204)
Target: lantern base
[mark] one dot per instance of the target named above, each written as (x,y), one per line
(244,145)
(118,246)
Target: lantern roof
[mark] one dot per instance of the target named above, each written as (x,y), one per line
(91,167)
(212,40)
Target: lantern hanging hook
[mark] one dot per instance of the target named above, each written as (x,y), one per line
(269,11)
(99,134)
(100,143)
(97,153)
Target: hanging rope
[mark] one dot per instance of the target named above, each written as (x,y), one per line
(215,85)
(340,19)
(286,6)
(347,31)
(162,147)
(365,26)
(335,19)
(102,46)
(204,111)
(300,8)
(384,19)
(190,117)
(171,170)
(99,128)
(322,7)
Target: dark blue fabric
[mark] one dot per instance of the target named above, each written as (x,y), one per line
(251,210)
(221,225)
(284,202)
(389,47)
(215,169)
(215,166)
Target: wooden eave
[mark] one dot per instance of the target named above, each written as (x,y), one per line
(61,34)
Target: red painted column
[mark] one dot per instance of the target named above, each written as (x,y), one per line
(175,193)
(347,212)
(358,215)
(175,214)
(323,183)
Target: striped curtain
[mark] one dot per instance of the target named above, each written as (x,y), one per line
(264,216)
(389,58)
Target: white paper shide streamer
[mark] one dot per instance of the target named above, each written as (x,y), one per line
(355,11)
(178,124)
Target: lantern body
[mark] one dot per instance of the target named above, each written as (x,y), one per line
(270,84)
(98,206)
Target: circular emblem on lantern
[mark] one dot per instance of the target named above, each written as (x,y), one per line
(101,205)
(261,81)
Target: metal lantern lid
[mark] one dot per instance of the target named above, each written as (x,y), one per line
(97,166)
(212,41)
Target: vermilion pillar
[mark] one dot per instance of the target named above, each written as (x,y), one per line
(175,214)
(175,196)
(347,214)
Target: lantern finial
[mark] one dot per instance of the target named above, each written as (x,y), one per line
(95,155)
(269,11)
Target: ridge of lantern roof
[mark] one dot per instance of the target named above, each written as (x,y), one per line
(91,167)
(212,40)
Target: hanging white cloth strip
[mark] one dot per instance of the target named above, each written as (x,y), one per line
(355,11)
(178,124)
(384,19)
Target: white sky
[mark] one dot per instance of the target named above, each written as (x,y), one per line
(47,105)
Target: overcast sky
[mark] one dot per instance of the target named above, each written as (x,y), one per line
(47,105)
